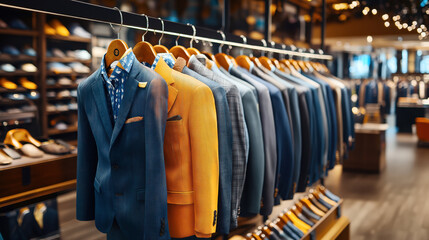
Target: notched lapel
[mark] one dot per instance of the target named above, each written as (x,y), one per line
(100,100)
(130,86)
(172,94)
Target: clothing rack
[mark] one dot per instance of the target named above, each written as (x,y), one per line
(96,13)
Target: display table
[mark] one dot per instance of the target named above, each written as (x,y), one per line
(30,178)
(369,152)
(406,116)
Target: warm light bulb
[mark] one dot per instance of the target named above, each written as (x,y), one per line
(385,16)
(387,24)
(369,39)
(423,34)
(409,29)
(405,25)
(374,11)
(365,11)
(414,23)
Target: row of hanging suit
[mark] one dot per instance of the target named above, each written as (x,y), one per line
(175,143)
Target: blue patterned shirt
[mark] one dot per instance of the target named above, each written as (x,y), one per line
(167,59)
(115,83)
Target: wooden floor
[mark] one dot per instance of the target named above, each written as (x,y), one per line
(391,205)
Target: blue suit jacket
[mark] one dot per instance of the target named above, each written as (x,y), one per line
(120,168)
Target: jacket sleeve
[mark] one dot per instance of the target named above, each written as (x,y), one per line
(156,194)
(86,164)
(205,160)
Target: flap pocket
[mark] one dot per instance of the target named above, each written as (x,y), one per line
(97,185)
(174,118)
(140,194)
(180,198)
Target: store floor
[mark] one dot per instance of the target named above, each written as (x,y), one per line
(391,205)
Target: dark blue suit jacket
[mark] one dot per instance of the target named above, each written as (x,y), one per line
(120,168)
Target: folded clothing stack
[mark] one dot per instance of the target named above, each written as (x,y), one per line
(55,27)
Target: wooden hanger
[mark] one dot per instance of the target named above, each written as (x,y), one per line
(244,61)
(319,195)
(276,63)
(209,56)
(144,51)
(161,48)
(288,64)
(285,218)
(180,51)
(306,202)
(191,50)
(256,61)
(221,58)
(116,48)
(295,64)
(256,235)
(266,62)
(303,67)
(297,222)
(266,230)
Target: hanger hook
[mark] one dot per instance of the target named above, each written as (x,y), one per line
(273,45)
(162,34)
(177,39)
(282,56)
(265,45)
(122,22)
(194,30)
(244,42)
(147,26)
(223,38)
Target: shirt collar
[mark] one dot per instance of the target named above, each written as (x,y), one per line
(125,64)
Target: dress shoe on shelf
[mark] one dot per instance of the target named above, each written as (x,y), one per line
(29,67)
(82,54)
(16,96)
(77,30)
(18,24)
(52,147)
(27,83)
(9,49)
(51,108)
(60,29)
(9,151)
(58,68)
(7,84)
(3,24)
(4,159)
(62,108)
(49,30)
(58,53)
(79,67)
(63,94)
(64,81)
(21,139)
(51,82)
(51,94)
(7,67)
(29,51)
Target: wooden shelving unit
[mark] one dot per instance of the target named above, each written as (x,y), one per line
(18,32)
(71,129)
(69,38)
(67,60)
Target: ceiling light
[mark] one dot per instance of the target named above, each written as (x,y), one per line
(340,6)
(427,11)
(419,30)
(374,11)
(365,11)
(385,16)
(423,34)
(399,26)
(369,39)
(414,23)
(387,24)
(405,25)
(409,29)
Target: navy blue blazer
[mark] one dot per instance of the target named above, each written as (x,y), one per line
(120,168)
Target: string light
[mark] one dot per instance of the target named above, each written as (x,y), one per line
(365,11)
(386,24)
(419,30)
(374,11)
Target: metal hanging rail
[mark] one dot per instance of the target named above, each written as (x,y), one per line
(96,13)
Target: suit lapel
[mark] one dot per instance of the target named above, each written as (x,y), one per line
(172,94)
(100,100)
(130,86)
(166,72)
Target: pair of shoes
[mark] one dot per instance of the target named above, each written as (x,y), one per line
(56,27)
(7,84)
(79,31)
(56,147)
(27,67)
(16,138)
(27,83)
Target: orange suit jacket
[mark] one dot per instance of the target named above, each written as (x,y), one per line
(191,155)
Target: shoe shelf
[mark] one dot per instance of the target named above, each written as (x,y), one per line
(69,38)
(61,98)
(19,89)
(71,74)
(28,179)
(67,60)
(4,117)
(18,58)
(58,86)
(18,73)
(53,131)
(18,32)
(62,112)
